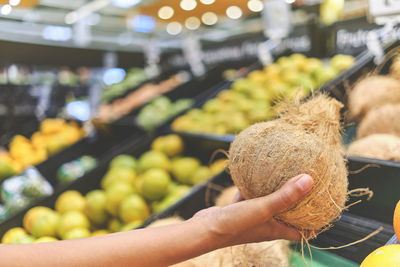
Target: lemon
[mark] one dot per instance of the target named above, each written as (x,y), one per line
(100,232)
(32,214)
(184,168)
(27,239)
(96,211)
(155,184)
(45,239)
(70,220)
(131,226)
(153,159)
(76,233)
(120,174)
(388,256)
(45,225)
(115,194)
(171,145)
(133,208)
(201,174)
(114,225)
(123,161)
(69,201)
(13,235)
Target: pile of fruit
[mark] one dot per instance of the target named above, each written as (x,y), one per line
(160,110)
(53,136)
(131,191)
(251,99)
(114,110)
(133,78)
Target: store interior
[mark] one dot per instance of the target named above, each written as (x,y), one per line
(118,115)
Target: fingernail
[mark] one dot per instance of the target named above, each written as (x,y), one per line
(305,182)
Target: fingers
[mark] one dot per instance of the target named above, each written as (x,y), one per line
(287,196)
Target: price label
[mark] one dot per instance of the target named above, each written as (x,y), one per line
(378,8)
(276,16)
(194,55)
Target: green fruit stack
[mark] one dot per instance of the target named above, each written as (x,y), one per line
(131,191)
(252,99)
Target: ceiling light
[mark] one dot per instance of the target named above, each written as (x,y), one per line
(165,12)
(234,12)
(255,5)
(57,33)
(209,18)
(207,2)
(143,23)
(14,2)
(188,4)
(125,3)
(192,23)
(5,10)
(174,28)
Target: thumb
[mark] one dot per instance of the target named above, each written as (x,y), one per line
(288,195)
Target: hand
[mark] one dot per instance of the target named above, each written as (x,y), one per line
(252,220)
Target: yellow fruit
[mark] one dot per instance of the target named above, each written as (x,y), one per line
(171,145)
(131,226)
(28,239)
(6,170)
(13,235)
(218,166)
(100,232)
(32,214)
(45,225)
(69,201)
(387,256)
(55,144)
(18,167)
(76,233)
(125,175)
(96,207)
(70,220)
(155,184)
(115,193)
(45,239)
(133,208)
(114,225)
(49,126)
(38,140)
(396,220)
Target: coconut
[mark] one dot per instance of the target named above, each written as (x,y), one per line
(395,68)
(372,92)
(226,197)
(384,119)
(272,254)
(304,139)
(378,146)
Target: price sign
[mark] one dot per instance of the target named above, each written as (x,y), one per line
(379,8)
(192,51)
(276,16)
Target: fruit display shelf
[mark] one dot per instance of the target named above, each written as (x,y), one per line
(349,228)
(198,89)
(134,146)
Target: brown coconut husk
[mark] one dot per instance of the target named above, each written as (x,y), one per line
(395,68)
(304,139)
(384,119)
(272,254)
(226,197)
(371,92)
(378,146)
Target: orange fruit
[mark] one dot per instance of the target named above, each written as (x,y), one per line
(396,220)
(387,256)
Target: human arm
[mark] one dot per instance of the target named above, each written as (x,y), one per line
(210,229)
